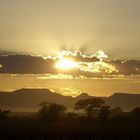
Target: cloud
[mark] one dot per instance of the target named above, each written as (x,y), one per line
(70,91)
(78,56)
(95,65)
(26,64)
(98,67)
(126,67)
(55,76)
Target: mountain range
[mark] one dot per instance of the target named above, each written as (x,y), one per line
(29,99)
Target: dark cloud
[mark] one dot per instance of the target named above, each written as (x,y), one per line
(27,64)
(127,67)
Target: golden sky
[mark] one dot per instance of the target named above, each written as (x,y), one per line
(47,26)
(101,38)
(71,87)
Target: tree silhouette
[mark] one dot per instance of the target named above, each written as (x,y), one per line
(51,110)
(56,111)
(4,114)
(136,112)
(44,110)
(104,113)
(90,105)
(116,112)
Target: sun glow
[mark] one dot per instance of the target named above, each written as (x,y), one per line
(65,64)
(95,63)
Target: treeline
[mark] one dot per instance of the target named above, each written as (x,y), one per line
(91,109)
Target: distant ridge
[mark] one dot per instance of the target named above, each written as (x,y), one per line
(125,100)
(123,93)
(29,99)
(83,96)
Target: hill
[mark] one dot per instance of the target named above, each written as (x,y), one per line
(124,100)
(29,99)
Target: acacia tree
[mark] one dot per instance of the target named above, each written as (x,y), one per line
(89,105)
(43,112)
(104,113)
(136,112)
(51,110)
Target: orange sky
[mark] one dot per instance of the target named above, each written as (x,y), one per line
(47,26)
(97,87)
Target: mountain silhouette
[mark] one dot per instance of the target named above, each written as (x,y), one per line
(82,96)
(29,99)
(124,100)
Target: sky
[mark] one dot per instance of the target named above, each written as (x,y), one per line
(45,27)
(70,46)
(71,87)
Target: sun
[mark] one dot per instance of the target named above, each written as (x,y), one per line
(66,64)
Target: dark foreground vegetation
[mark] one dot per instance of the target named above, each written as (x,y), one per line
(91,119)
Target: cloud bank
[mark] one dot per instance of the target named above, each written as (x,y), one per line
(97,64)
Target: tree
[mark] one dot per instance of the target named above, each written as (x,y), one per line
(56,111)
(89,105)
(44,110)
(4,114)
(51,110)
(136,112)
(104,113)
(116,112)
